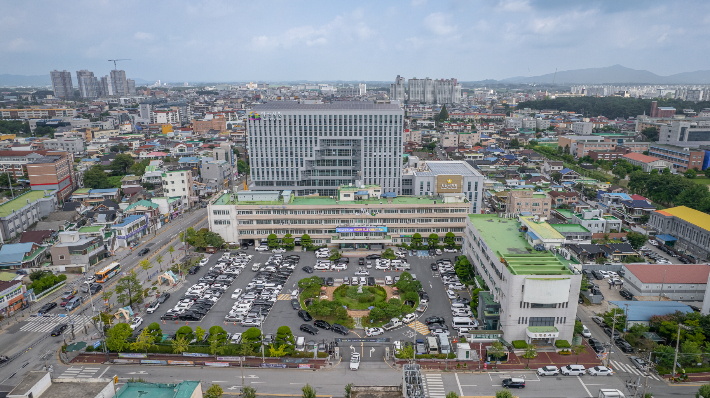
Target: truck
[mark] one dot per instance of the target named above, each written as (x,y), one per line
(355,361)
(610,393)
(393,323)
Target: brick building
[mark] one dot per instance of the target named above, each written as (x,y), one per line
(54,171)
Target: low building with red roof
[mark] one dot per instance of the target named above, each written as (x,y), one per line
(647,163)
(680,282)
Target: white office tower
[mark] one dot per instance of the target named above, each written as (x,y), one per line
(62,84)
(397,89)
(119,83)
(421,91)
(88,84)
(315,148)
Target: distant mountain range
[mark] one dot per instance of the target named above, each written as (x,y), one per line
(44,80)
(615,74)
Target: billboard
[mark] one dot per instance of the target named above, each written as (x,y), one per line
(449,184)
(361,229)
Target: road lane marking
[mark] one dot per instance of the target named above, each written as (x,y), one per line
(589,394)
(459,384)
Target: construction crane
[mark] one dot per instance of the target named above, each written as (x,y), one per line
(116,60)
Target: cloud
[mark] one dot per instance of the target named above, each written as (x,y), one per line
(417,3)
(439,24)
(143,36)
(514,5)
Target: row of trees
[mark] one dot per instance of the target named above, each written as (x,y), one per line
(123,164)
(417,241)
(611,107)
(202,239)
(670,190)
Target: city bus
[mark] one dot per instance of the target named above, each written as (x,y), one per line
(108,272)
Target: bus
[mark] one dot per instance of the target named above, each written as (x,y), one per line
(108,272)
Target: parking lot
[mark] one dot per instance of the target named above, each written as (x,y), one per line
(282,313)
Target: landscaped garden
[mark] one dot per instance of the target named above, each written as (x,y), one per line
(350,296)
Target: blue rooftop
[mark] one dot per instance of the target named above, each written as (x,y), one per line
(566,170)
(189,159)
(642,311)
(666,238)
(128,220)
(104,190)
(14,253)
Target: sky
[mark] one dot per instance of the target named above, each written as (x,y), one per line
(367,40)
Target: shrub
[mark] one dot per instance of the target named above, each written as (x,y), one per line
(520,344)
(562,344)
(565,352)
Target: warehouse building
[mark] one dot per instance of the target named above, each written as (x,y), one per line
(690,228)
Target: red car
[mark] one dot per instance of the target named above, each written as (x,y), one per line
(66,300)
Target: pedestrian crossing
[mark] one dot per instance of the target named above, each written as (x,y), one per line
(419,327)
(284,297)
(434,386)
(627,368)
(44,325)
(78,372)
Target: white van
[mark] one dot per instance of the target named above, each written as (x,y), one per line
(300,343)
(457,305)
(433,346)
(395,262)
(572,370)
(459,322)
(444,346)
(255,267)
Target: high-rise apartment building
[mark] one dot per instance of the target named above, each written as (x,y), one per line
(88,84)
(315,148)
(62,84)
(131,86)
(427,91)
(105,87)
(120,85)
(397,89)
(421,90)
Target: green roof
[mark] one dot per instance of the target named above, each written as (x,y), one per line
(158,390)
(569,228)
(82,190)
(542,329)
(21,201)
(86,230)
(146,203)
(564,212)
(225,199)
(7,276)
(502,236)
(543,229)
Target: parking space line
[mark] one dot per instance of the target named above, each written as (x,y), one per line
(419,327)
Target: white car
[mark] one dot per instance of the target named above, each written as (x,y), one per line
(279,250)
(152,307)
(321,267)
(322,255)
(388,280)
(447,250)
(548,371)
(450,294)
(573,370)
(137,321)
(462,312)
(374,331)
(203,262)
(339,267)
(382,266)
(456,286)
(262,248)
(586,332)
(600,371)
(236,338)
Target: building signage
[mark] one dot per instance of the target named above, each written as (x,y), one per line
(230,358)
(304,366)
(217,364)
(449,184)
(194,354)
(360,229)
(131,355)
(274,365)
(172,362)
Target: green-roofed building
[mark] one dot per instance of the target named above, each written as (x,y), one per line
(532,284)
(18,214)
(185,389)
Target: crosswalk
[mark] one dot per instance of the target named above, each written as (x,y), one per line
(284,297)
(434,386)
(622,367)
(79,372)
(419,327)
(44,325)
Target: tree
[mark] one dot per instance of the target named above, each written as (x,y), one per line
(450,240)
(578,349)
(117,337)
(119,148)
(242,166)
(127,288)
(248,392)
(644,218)
(636,239)
(171,250)
(433,241)
(146,265)
(417,240)
(451,394)
(388,254)
(556,176)
(707,172)
(306,241)
(138,168)
(348,390)
(462,268)
(215,391)
(335,256)
(106,297)
(203,238)
(179,344)
(186,332)
(251,335)
(496,350)
(154,329)
(703,391)
(159,260)
(504,394)
(121,164)
(651,133)
(7,179)
(272,241)
(690,173)
(200,333)
(284,336)
(514,144)
(144,342)
(218,333)
(288,242)
(96,178)
(530,353)
(308,391)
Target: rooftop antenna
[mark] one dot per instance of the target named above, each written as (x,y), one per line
(115,60)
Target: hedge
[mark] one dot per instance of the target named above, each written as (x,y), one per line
(520,344)
(562,344)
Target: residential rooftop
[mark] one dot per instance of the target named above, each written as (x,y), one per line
(19,202)
(561,228)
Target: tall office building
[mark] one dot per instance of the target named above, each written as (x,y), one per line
(315,148)
(131,86)
(120,85)
(397,89)
(62,84)
(88,84)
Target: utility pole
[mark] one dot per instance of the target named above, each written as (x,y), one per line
(677,342)
(611,337)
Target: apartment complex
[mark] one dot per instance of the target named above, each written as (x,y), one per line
(54,171)
(315,148)
(428,91)
(73,145)
(526,201)
(357,217)
(682,158)
(582,128)
(62,84)
(690,229)
(532,295)
(37,113)
(397,89)
(119,83)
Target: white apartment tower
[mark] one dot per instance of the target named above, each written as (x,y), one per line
(428,91)
(421,91)
(397,89)
(119,83)
(62,84)
(315,148)
(88,84)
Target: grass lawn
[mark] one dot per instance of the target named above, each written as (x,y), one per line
(354,304)
(701,180)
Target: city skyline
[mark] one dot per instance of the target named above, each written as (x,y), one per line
(323,41)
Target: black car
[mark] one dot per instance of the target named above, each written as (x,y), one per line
(193,270)
(322,324)
(189,316)
(513,382)
(303,314)
(47,307)
(295,304)
(330,281)
(361,261)
(307,269)
(59,329)
(434,326)
(169,316)
(435,319)
(624,346)
(309,329)
(371,281)
(434,267)
(626,294)
(373,257)
(338,328)
(596,345)
(143,251)
(163,297)
(608,332)
(95,288)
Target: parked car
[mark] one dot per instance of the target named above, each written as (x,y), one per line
(640,363)
(137,321)
(163,297)
(295,304)
(309,329)
(340,329)
(261,248)
(548,371)
(152,307)
(279,250)
(596,345)
(600,371)
(513,382)
(573,370)
(370,332)
(303,314)
(322,324)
